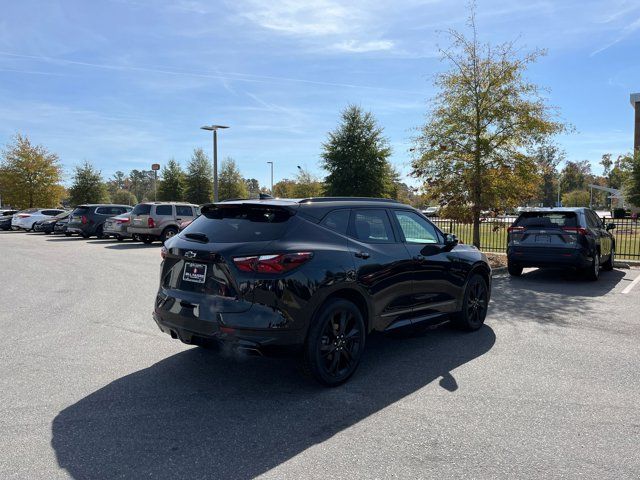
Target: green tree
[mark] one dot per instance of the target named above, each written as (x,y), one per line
(547,158)
(87,186)
(306,185)
(230,181)
(171,187)
(199,184)
(576,175)
(124,197)
(632,182)
(576,198)
(356,157)
(253,187)
(30,175)
(472,151)
(285,188)
(142,184)
(119,181)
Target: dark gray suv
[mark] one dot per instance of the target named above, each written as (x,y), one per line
(88,220)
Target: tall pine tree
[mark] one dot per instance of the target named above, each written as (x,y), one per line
(88,186)
(356,157)
(230,183)
(172,185)
(199,179)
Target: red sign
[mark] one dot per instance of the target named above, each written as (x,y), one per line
(155,166)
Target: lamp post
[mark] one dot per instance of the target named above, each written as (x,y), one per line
(271,163)
(214,129)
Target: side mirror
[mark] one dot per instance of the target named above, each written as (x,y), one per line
(450,241)
(611,226)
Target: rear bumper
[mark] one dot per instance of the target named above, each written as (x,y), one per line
(116,232)
(79,228)
(150,232)
(546,257)
(228,329)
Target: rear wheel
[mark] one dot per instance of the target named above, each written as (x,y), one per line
(100,232)
(335,343)
(474,304)
(119,238)
(168,233)
(608,265)
(513,269)
(592,272)
(85,235)
(147,240)
(67,234)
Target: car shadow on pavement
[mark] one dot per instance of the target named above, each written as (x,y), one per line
(128,245)
(198,414)
(550,296)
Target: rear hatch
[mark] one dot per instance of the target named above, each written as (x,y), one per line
(140,215)
(80,215)
(201,263)
(548,230)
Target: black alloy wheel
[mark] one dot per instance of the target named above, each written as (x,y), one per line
(475,304)
(335,343)
(609,264)
(592,272)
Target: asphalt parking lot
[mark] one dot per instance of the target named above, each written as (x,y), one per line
(90,388)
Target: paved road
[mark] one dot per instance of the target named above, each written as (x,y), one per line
(89,388)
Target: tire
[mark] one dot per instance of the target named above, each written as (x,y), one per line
(119,238)
(168,233)
(513,269)
(335,343)
(609,264)
(474,304)
(68,234)
(592,272)
(85,235)
(147,240)
(100,232)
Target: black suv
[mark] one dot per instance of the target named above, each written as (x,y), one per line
(315,276)
(561,237)
(88,220)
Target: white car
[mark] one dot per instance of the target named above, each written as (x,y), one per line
(431,211)
(25,219)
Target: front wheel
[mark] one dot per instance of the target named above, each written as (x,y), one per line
(608,265)
(147,240)
(335,343)
(474,304)
(168,233)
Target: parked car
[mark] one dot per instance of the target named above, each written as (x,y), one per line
(25,219)
(431,211)
(315,276)
(116,227)
(160,220)
(61,226)
(88,220)
(48,226)
(5,219)
(561,237)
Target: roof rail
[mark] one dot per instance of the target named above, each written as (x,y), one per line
(346,199)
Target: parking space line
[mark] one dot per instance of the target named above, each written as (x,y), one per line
(629,287)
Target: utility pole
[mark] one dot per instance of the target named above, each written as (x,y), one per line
(155,167)
(214,129)
(271,163)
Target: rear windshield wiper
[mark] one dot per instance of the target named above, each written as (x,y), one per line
(198,237)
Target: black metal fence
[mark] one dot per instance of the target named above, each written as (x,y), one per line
(493,234)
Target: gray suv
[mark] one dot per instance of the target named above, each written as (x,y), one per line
(88,220)
(160,220)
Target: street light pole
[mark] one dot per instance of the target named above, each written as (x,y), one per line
(271,163)
(214,129)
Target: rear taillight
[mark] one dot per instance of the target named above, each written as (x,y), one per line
(122,220)
(515,229)
(84,219)
(578,230)
(24,215)
(151,223)
(163,252)
(278,263)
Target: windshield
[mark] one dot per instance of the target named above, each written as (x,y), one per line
(547,219)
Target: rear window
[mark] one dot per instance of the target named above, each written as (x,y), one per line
(142,209)
(81,211)
(547,220)
(241,223)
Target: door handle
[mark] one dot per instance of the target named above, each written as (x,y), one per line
(362,255)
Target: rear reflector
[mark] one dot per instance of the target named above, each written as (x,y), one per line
(515,229)
(122,220)
(277,263)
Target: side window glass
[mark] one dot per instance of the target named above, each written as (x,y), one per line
(184,211)
(372,226)
(164,210)
(415,228)
(100,211)
(337,220)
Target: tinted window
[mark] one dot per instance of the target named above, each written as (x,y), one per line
(592,219)
(164,210)
(184,211)
(372,226)
(142,209)
(337,220)
(547,220)
(241,223)
(51,212)
(103,210)
(415,228)
(81,211)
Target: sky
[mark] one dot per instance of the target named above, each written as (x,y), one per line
(124,84)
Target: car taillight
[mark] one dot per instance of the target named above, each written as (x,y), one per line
(163,252)
(515,229)
(24,215)
(278,263)
(578,230)
(84,219)
(122,220)
(151,223)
